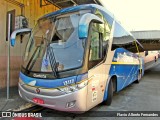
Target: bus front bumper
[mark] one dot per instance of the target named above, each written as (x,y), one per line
(71,102)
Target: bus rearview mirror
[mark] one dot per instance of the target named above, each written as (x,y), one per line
(17,32)
(84,24)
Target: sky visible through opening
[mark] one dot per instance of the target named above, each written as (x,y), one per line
(135,14)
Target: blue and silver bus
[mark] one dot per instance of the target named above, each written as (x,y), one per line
(76,58)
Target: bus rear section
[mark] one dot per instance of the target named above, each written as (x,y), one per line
(151,59)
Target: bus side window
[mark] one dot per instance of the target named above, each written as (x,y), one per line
(96,46)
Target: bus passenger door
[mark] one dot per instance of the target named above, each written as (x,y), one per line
(97,72)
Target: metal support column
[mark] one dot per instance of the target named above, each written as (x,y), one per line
(8,57)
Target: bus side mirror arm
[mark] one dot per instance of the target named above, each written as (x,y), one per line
(16,32)
(84,24)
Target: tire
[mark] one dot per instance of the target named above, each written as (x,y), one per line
(139,77)
(155,59)
(110,94)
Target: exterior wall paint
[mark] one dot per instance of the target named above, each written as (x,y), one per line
(32,12)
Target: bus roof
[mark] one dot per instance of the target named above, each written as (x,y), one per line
(77,8)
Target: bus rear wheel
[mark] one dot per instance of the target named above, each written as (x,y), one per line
(110,94)
(139,77)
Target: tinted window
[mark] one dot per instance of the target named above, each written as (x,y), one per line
(99,37)
(95,47)
(120,35)
(122,38)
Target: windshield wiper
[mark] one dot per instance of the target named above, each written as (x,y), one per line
(34,57)
(52,59)
(31,66)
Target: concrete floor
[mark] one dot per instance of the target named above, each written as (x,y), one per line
(14,100)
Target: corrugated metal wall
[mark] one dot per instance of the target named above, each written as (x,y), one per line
(149,34)
(32,11)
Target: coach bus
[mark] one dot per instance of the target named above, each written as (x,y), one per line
(151,59)
(76,58)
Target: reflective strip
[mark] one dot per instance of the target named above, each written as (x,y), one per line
(125,63)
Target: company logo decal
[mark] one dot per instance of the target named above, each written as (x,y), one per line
(39,75)
(37,90)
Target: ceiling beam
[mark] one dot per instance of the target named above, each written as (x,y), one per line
(61,3)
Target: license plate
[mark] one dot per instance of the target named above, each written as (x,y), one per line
(38,100)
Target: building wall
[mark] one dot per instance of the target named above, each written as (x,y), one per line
(32,12)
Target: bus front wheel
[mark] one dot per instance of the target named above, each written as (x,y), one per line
(110,93)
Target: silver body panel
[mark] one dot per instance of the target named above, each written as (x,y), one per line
(59,102)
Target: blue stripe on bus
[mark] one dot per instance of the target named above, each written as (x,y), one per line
(125,73)
(82,77)
(47,83)
(77,8)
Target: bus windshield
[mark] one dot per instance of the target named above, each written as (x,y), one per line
(54,44)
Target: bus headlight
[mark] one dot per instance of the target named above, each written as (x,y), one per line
(68,89)
(73,87)
(82,84)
